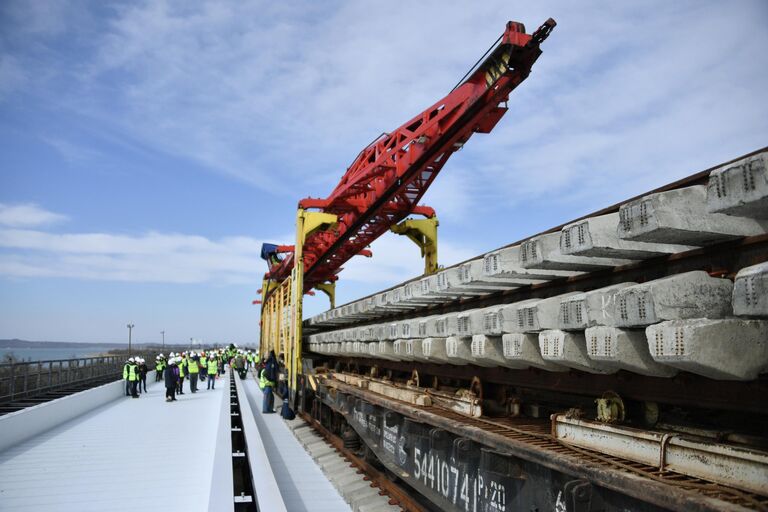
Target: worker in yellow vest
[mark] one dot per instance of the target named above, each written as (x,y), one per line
(193,367)
(127,365)
(203,366)
(158,368)
(213,369)
(133,377)
(182,373)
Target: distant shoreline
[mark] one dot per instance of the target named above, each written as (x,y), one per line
(17,343)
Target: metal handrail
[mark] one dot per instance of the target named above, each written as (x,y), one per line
(26,378)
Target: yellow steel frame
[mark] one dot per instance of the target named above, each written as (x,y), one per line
(422,232)
(281,312)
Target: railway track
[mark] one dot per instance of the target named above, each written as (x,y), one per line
(678,353)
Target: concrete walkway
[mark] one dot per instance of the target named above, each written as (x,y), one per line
(127,454)
(301,481)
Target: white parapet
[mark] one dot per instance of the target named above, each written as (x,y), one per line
(595,307)
(724,349)
(740,188)
(689,295)
(750,291)
(570,349)
(598,236)
(522,351)
(543,251)
(624,349)
(542,314)
(680,217)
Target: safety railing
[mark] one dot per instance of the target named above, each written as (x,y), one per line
(25,379)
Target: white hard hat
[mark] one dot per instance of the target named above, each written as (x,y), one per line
(130,360)
(161,355)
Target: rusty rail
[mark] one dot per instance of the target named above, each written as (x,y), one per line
(531,439)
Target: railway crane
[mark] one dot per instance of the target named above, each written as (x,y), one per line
(384,185)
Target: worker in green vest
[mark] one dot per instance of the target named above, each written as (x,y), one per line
(193,367)
(158,368)
(213,368)
(133,377)
(126,366)
(182,372)
(267,378)
(203,366)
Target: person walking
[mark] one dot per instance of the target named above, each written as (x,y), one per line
(171,380)
(213,369)
(267,383)
(240,364)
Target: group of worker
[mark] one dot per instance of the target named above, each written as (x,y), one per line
(201,367)
(135,376)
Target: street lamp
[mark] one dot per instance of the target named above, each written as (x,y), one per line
(163,333)
(130,328)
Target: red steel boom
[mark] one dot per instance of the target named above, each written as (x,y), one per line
(388,178)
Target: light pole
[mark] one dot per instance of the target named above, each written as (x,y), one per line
(163,333)
(130,328)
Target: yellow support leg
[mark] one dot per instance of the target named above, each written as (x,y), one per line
(306,224)
(330,290)
(423,232)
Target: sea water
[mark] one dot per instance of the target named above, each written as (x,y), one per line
(52,353)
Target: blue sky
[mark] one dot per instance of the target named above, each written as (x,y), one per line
(147,149)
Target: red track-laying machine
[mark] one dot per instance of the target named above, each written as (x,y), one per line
(384,185)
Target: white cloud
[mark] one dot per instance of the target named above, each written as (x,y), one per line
(184,258)
(152,257)
(245,89)
(27,215)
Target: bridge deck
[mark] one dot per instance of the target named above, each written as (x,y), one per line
(119,455)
